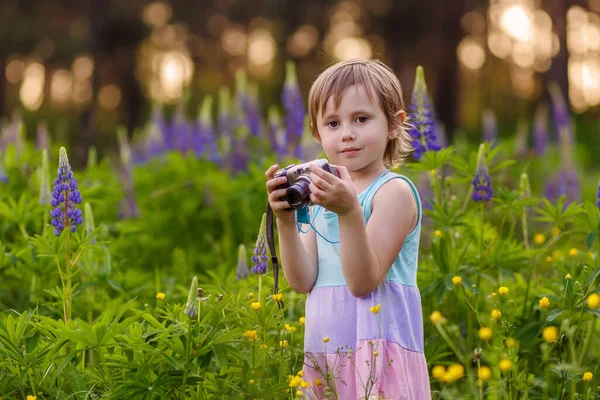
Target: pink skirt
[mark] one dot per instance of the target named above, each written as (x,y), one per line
(377,369)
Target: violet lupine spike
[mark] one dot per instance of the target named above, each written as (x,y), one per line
(242,264)
(42,137)
(239,155)
(598,195)
(489,127)
(540,129)
(295,110)
(561,116)
(66,195)
(208,139)
(277,133)
(422,128)
(247,103)
(158,120)
(260,258)
(482,184)
(3,176)
(181,130)
(191,306)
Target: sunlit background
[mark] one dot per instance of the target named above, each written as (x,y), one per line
(115,62)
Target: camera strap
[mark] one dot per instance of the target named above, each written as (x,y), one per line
(271,245)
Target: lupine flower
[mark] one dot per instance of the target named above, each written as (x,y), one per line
(295,110)
(561,117)
(239,155)
(45,192)
(3,177)
(540,130)
(598,196)
(207,132)
(422,129)
(42,138)
(564,183)
(277,135)
(482,183)
(489,127)
(181,130)
(191,306)
(260,257)
(521,139)
(66,195)
(247,103)
(242,266)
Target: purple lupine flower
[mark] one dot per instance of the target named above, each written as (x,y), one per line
(66,195)
(561,117)
(482,184)
(260,257)
(247,103)
(540,129)
(242,264)
(3,177)
(181,130)
(42,138)
(563,183)
(598,195)
(210,149)
(158,120)
(295,110)
(422,129)
(489,127)
(277,133)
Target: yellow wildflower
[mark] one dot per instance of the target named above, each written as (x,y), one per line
(299,393)
(503,290)
(251,294)
(549,259)
(493,294)
(593,300)
(263,346)
(568,277)
(555,231)
(375,353)
(511,342)
(300,373)
(30,397)
(251,381)
(302,320)
(438,372)
(325,339)
(289,328)
(588,376)
(505,365)
(318,382)
(438,233)
(304,384)
(277,297)
(255,305)
(295,381)
(160,296)
(251,336)
(573,252)
(496,314)
(484,373)
(550,334)
(457,280)
(454,373)
(486,333)
(539,239)
(283,344)
(544,302)
(437,318)
(375,309)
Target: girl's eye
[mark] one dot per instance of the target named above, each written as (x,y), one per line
(362,120)
(332,124)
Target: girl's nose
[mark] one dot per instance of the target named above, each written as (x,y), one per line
(347,134)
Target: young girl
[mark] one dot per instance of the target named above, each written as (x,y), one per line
(358,261)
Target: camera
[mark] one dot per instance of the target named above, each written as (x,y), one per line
(298,179)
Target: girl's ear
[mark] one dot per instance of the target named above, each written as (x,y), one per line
(397,125)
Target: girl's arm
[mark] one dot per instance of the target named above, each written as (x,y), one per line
(298,256)
(367,252)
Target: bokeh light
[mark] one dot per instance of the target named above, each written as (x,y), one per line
(32,88)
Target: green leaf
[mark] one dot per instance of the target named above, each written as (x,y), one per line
(554,313)
(589,240)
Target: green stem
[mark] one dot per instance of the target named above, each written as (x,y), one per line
(68,290)
(32,289)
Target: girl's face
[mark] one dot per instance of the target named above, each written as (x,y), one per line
(356,134)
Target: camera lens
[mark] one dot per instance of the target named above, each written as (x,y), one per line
(298,195)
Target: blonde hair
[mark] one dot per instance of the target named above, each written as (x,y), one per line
(378,79)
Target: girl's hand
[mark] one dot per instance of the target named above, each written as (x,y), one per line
(333,193)
(280,206)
